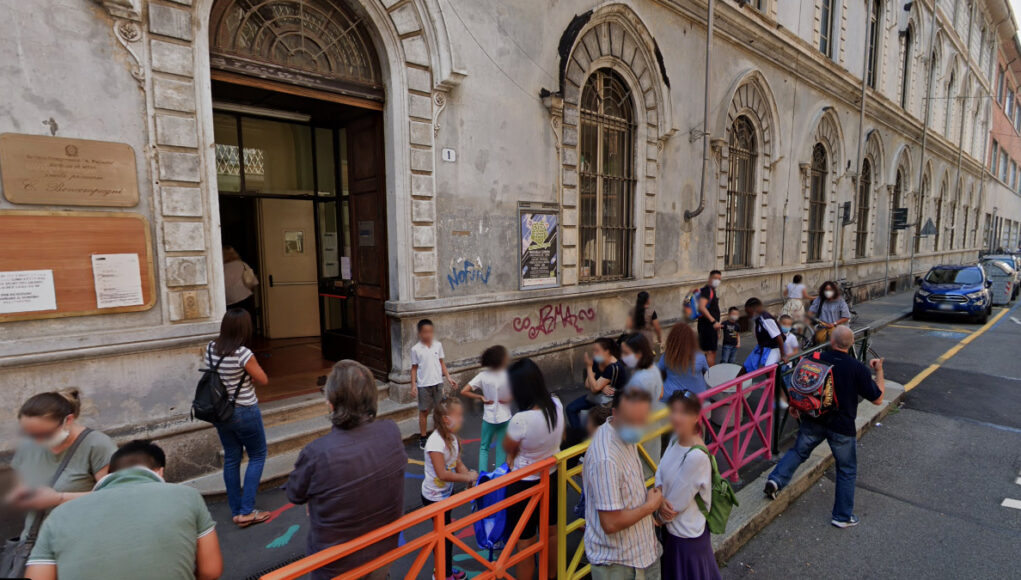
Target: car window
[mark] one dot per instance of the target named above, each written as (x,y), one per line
(948,276)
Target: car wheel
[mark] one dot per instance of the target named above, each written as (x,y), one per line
(984,317)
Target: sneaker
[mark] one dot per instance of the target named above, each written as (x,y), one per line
(421,442)
(771,489)
(848,524)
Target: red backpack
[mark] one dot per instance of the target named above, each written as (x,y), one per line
(811,390)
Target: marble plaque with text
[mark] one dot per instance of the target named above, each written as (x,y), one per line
(37,169)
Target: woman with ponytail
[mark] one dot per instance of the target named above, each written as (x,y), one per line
(643,319)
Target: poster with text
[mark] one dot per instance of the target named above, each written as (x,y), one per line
(540,230)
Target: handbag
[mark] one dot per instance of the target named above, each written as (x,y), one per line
(16,550)
(248,277)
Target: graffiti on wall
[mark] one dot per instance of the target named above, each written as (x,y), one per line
(470,272)
(551,317)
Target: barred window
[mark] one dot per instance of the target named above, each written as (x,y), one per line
(741,194)
(905,79)
(939,217)
(895,199)
(606,160)
(817,202)
(861,236)
(873,46)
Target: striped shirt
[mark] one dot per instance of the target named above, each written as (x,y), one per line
(614,481)
(232,370)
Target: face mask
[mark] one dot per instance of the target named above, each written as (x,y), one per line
(715,283)
(58,438)
(734,317)
(630,434)
(785,329)
(828,293)
(598,359)
(630,360)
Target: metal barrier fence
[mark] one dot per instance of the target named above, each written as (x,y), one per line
(432,542)
(739,427)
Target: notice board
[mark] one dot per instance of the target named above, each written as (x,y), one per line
(66,244)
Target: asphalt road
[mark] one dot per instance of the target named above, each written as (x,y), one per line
(932,477)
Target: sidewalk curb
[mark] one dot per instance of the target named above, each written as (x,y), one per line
(755,511)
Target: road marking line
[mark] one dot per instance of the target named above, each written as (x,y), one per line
(1012,503)
(920,327)
(1014,318)
(953,351)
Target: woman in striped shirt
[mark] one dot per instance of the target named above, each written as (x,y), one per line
(244,431)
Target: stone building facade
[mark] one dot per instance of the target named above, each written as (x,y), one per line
(456,117)
(1002,222)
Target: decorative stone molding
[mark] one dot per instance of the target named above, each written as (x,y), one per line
(439,104)
(126,9)
(129,35)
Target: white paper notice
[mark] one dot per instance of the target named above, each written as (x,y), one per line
(27,291)
(118,280)
(345,267)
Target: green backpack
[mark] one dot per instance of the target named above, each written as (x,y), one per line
(723,497)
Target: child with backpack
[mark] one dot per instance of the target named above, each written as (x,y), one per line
(697,500)
(490,386)
(443,465)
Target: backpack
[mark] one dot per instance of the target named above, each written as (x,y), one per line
(212,402)
(723,497)
(491,531)
(811,388)
(693,302)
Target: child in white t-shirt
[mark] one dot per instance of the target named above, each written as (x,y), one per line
(490,386)
(795,295)
(791,347)
(427,373)
(443,465)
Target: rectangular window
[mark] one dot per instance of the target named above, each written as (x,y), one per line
(995,157)
(1013,175)
(873,45)
(1009,106)
(1000,84)
(826,28)
(1003,166)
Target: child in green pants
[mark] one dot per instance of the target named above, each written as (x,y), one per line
(490,386)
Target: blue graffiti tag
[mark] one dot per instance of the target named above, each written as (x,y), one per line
(469,273)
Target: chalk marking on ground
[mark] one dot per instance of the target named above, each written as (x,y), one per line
(284,538)
(922,327)
(276,513)
(953,351)
(1012,503)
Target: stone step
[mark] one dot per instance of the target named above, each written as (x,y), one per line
(306,406)
(285,440)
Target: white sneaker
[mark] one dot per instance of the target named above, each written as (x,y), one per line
(854,521)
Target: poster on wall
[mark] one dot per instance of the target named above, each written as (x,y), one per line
(27,291)
(540,245)
(118,280)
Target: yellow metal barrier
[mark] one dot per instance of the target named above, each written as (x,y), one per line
(570,570)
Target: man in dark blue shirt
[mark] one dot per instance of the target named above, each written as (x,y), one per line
(851,379)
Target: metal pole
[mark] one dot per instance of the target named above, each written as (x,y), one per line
(925,134)
(689,214)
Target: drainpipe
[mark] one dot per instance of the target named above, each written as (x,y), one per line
(861,125)
(691,214)
(925,134)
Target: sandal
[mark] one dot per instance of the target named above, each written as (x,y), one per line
(256,517)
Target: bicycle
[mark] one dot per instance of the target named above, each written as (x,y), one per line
(848,296)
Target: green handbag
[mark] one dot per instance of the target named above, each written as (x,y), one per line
(723,497)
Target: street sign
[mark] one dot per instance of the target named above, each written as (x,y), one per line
(845,212)
(929,229)
(900,218)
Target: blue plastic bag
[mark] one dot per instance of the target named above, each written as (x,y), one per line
(491,532)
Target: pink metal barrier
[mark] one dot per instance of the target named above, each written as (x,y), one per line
(740,425)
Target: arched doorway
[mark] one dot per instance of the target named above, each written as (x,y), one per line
(297,113)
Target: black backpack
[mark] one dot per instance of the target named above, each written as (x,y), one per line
(211,402)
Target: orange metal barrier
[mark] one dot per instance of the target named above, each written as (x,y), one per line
(432,542)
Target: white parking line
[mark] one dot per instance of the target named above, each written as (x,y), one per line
(1012,503)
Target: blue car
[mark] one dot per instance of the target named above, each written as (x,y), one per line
(962,290)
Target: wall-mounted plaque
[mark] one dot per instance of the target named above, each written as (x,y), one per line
(37,169)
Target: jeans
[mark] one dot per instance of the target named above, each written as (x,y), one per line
(622,572)
(728,353)
(574,409)
(844,448)
(244,432)
(492,433)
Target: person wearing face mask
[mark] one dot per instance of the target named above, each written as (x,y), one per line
(49,423)
(620,537)
(769,340)
(829,310)
(636,353)
(709,321)
(604,374)
(352,478)
(731,331)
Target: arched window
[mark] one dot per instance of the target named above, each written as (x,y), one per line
(826,28)
(861,236)
(606,152)
(919,212)
(871,72)
(905,80)
(949,121)
(741,194)
(895,197)
(817,202)
(939,216)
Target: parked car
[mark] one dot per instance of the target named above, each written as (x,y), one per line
(1012,260)
(953,289)
(1001,278)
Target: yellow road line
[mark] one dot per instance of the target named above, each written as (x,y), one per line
(415,461)
(922,327)
(953,351)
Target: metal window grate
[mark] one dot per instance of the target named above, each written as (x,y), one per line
(741,194)
(898,190)
(817,202)
(607,178)
(861,236)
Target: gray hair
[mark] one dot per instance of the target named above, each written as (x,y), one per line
(842,338)
(351,390)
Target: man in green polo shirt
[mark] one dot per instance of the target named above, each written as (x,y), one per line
(133,525)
